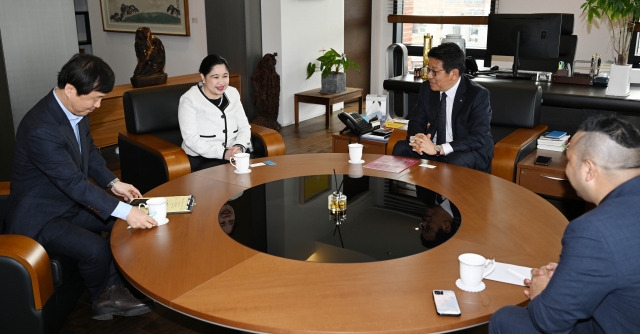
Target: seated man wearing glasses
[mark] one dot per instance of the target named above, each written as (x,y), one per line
(451,121)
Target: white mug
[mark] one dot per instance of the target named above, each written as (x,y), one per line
(355,152)
(157,208)
(240,161)
(473,268)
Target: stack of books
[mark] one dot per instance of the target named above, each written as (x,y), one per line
(554,141)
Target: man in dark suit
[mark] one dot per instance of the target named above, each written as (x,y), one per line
(52,199)
(595,287)
(454,129)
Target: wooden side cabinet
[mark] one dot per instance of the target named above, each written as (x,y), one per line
(341,141)
(546,180)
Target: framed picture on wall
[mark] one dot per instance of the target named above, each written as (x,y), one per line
(163,18)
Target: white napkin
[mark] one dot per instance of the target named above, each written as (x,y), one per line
(510,273)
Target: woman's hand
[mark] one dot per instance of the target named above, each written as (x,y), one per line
(231,151)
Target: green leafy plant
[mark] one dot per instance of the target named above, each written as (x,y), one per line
(621,16)
(331,61)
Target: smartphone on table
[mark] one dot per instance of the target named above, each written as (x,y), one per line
(446,302)
(542,160)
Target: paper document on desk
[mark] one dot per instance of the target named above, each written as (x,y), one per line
(510,273)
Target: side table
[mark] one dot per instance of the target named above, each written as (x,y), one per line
(546,180)
(341,141)
(328,100)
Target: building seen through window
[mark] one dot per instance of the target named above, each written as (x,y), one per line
(412,33)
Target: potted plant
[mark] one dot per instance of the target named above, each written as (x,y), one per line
(621,16)
(333,81)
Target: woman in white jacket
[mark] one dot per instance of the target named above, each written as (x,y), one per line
(212,120)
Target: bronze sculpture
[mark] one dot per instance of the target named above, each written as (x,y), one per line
(266,95)
(151,59)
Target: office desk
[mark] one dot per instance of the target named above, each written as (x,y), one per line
(563,105)
(192,266)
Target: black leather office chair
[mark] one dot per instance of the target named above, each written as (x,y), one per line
(37,290)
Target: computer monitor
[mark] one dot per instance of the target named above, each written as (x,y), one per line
(531,35)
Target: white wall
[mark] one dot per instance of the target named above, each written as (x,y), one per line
(184,53)
(38,37)
(309,26)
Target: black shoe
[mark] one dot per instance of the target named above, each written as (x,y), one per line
(118,300)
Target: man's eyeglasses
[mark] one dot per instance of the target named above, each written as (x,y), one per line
(433,72)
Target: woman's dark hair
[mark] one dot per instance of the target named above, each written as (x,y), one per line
(87,73)
(451,56)
(210,61)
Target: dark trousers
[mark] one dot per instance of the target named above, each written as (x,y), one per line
(78,235)
(516,320)
(199,162)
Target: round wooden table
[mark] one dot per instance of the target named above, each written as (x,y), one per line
(192,266)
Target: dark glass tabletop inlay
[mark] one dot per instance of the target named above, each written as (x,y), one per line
(368,219)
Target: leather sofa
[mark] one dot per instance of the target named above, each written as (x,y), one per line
(150,152)
(37,290)
(515,125)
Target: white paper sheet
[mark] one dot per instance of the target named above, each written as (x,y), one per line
(510,273)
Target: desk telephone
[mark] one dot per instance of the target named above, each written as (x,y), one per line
(355,123)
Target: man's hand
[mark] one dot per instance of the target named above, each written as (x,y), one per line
(539,279)
(422,143)
(139,219)
(126,191)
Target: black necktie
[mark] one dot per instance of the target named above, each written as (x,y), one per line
(441,128)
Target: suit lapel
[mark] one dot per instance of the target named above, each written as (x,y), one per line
(83,131)
(66,130)
(434,107)
(461,93)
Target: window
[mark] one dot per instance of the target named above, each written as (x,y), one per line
(415,18)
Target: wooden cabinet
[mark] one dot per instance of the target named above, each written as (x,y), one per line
(108,120)
(546,180)
(341,141)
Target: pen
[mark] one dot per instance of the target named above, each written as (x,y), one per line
(599,62)
(593,64)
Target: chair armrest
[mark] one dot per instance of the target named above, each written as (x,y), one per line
(176,160)
(505,157)
(396,135)
(4,188)
(272,140)
(35,260)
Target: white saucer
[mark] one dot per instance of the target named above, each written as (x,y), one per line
(356,162)
(162,221)
(246,172)
(478,288)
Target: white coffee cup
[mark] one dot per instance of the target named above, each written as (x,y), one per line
(473,268)
(157,208)
(240,161)
(355,152)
